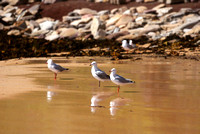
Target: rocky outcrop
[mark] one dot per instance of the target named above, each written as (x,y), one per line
(118,24)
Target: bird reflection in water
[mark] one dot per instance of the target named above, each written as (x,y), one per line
(50,95)
(98,98)
(117,103)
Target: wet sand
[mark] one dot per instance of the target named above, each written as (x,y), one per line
(164,99)
(15,74)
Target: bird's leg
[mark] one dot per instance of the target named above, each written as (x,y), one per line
(118,89)
(55,75)
(99,83)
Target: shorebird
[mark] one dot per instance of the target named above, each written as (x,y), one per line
(119,80)
(128,46)
(54,67)
(98,74)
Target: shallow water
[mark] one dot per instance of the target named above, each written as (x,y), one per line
(164,100)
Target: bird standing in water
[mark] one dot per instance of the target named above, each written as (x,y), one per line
(98,74)
(54,67)
(119,80)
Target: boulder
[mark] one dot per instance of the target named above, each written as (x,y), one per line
(188,24)
(194,30)
(117,35)
(53,36)
(158,6)
(1,26)
(47,25)
(48,1)
(37,33)
(97,28)
(163,11)
(113,20)
(34,9)
(14,32)
(68,32)
(84,11)
(141,9)
(124,20)
(84,19)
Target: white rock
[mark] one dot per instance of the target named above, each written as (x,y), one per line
(47,25)
(53,36)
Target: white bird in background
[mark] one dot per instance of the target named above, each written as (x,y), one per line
(54,67)
(98,74)
(119,80)
(128,46)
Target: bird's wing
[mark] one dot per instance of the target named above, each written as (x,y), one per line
(102,74)
(58,67)
(122,79)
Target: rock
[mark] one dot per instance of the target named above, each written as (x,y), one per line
(47,25)
(70,18)
(103,17)
(32,25)
(22,15)
(113,20)
(174,1)
(84,19)
(163,11)
(145,45)
(20,25)
(68,32)
(194,30)
(117,35)
(8,19)
(37,33)
(41,20)
(159,6)
(14,32)
(141,9)
(48,1)
(84,11)
(97,28)
(124,20)
(148,1)
(188,24)
(1,26)
(118,2)
(145,30)
(12,2)
(114,11)
(139,20)
(53,36)
(130,37)
(34,9)
(103,12)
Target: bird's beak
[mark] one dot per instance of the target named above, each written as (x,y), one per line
(110,71)
(90,65)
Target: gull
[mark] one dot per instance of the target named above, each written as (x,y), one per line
(119,80)
(54,67)
(128,46)
(98,74)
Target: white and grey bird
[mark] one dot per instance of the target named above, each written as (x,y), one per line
(98,73)
(119,80)
(54,67)
(128,46)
